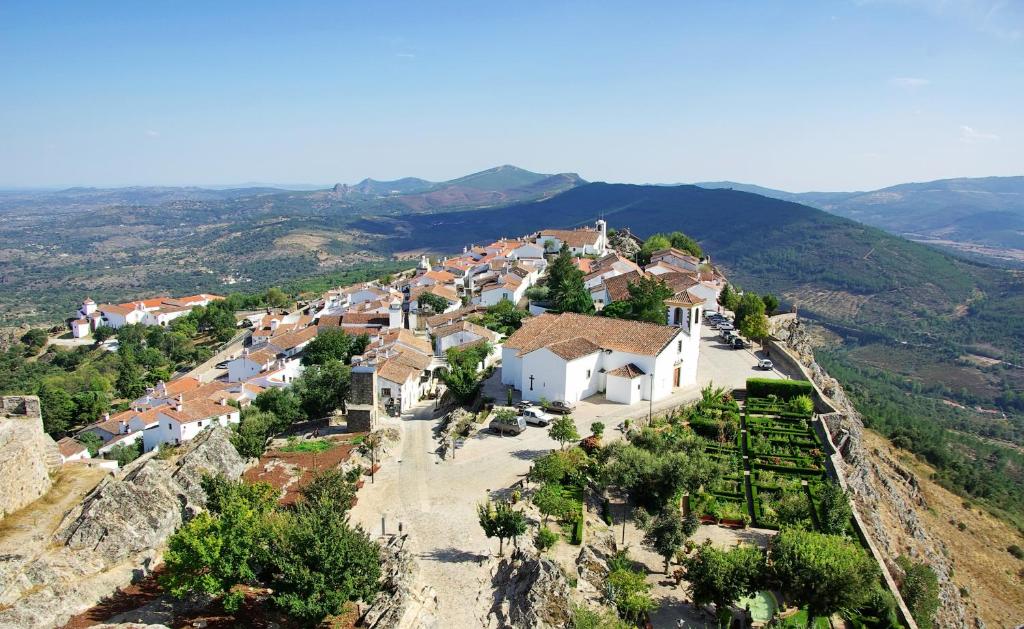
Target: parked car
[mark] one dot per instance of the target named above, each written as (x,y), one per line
(726,326)
(738,343)
(560,408)
(536,417)
(765,364)
(512,426)
(222,365)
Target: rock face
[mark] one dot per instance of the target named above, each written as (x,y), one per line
(116,534)
(529,593)
(401,604)
(884,492)
(27,454)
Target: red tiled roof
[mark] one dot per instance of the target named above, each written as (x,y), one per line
(636,337)
(629,370)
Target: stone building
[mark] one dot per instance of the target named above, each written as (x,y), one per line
(27,454)
(362,407)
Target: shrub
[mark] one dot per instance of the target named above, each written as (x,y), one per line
(577,532)
(801,404)
(546,538)
(783,389)
(919,588)
(597,428)
(1016,551)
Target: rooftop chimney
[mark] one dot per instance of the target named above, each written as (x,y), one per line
(180,403)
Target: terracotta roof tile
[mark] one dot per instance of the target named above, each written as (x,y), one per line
(636,337)
(629,370)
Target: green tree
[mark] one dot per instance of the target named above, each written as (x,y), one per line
(824,572)
(103,333)
(324,388)
(919,588)
(563,430)
(682,242)
(57,406)
(656,242)
(283,403)
(552,501)
(631,593)
(276,298)
(728,298)
(320,562)
(330,486)
(221,548)
(618,310)
(502,521)
(771,303)
(666,532)
(91,442)
(565,283)
(654,479)
(34,340)
(125,454)
(724,576)
(647,299)
(463,381)
(90,405)
(129,383)
(750,317)
(834,509)
(253,431)
(433,302)
(334,344)
(503,317)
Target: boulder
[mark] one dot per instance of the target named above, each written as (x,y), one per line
(529,593)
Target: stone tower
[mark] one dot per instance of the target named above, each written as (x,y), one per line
(362,408)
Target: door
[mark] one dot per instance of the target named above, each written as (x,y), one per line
(675,377)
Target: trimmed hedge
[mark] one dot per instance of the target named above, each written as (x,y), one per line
(783,389)
(577,533)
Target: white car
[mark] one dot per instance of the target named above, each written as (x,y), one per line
(765,364)
(536,417)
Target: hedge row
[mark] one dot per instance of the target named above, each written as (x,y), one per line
(577,533)
(783,389)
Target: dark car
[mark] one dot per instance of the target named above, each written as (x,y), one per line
(738,343)
(559,408)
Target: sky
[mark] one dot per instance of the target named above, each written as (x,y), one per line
(815,95)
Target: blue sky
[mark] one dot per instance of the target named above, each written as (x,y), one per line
(823,94)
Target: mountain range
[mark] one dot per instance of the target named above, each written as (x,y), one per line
(977,217)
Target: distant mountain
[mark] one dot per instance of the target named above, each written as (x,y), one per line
(29,201)
(406,185)
(956,213)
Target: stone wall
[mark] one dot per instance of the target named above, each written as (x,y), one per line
(26,453)
(362,406)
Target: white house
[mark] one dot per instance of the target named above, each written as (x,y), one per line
(569,357)
(251,364)
(676,258)
(508,286)
(156,311)
(80,328)
(403,377)
(459,334)
(182,421)
(72,450)
(582,241)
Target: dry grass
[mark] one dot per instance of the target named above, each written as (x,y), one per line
(992,578)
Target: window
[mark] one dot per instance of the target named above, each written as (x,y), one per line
(386,391)
(588,373)
(200,424)
(679,347)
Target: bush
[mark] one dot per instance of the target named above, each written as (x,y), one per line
(546,538)
(1016,551)
(801,404)
(783,389)
(577,533)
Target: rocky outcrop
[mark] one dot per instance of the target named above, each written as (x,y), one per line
(885,493)
(114,536)
(529,593)
(401,603)
(26,453)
